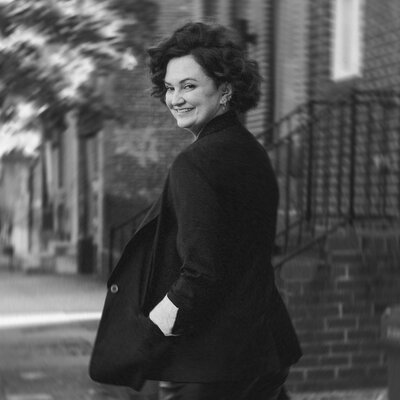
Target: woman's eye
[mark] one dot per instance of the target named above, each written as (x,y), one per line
(189,86)
(169,88)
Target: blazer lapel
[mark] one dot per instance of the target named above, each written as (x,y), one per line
(155,209)
(153,213)
(150,216)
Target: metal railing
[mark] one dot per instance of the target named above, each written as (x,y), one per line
(339,162)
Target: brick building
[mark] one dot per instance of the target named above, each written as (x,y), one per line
(331,93)
(345,199)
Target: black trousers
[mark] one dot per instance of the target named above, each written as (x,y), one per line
(267,387)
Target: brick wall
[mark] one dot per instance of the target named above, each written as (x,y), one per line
(259,15)
(336,305)
(382,45)
(380,53)
(280,34)
(319,42)
(175,13)
(291,56)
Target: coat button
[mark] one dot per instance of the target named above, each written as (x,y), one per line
(114,288)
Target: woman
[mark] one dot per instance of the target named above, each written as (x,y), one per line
(211,294)
(236,338)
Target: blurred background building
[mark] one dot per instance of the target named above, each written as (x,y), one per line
(329,117)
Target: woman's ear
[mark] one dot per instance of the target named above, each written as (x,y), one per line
(226,93)
(227,89)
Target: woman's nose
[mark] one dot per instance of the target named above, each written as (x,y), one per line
(177,98)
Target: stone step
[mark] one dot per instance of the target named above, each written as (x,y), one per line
(302,267)
(345,256)
(343,239)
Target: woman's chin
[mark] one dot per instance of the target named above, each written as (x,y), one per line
(183,124)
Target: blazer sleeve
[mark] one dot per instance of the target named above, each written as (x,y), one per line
(203,237)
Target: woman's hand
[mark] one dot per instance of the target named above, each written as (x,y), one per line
(164,316)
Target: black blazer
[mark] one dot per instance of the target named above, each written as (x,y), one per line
(208,240)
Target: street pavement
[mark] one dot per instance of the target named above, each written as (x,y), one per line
(47,327)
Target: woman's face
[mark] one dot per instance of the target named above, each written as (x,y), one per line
(192,97)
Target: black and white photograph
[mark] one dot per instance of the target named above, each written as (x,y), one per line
(199,200)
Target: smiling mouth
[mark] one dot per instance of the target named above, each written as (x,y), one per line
(183,110)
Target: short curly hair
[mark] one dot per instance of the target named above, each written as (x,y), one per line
(217,50)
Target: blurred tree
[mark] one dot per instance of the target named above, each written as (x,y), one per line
(55,54)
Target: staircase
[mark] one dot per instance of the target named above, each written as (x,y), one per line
(338,241)
(337,162)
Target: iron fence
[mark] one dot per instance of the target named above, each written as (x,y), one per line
(339,162)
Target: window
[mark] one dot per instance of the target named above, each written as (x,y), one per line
(347,39)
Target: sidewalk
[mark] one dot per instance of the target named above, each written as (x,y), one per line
(47,327)
(46,293)
(366,394)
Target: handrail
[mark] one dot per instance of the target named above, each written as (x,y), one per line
(345,100)
(282,120)
(301,108)
(330,164)
(311,243)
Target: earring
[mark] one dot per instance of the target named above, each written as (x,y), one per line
(225,101)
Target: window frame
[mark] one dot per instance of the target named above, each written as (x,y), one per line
(347,39)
